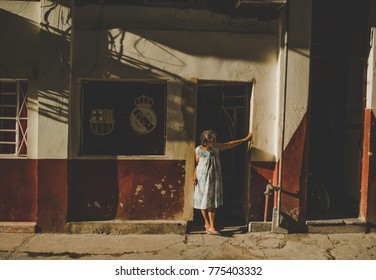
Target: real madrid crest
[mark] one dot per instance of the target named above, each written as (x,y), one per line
(102,121)
(143,118)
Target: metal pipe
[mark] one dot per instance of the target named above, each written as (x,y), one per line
(266,208)
(277,193)
(268,191)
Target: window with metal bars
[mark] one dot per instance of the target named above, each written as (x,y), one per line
(13,118)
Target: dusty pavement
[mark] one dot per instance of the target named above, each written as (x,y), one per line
(247,246)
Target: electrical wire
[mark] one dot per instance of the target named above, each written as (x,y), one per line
(92,68)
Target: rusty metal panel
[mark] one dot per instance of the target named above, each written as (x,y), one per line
(93,190)
(151,189)
(294,176)
(368,200)
(18,190)
(126,189)
(261,173)
(52,195)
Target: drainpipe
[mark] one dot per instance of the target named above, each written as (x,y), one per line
(276,218)
(268,192)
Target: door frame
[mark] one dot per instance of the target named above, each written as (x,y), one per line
(248,120)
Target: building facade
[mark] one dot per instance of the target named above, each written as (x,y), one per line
(102,104)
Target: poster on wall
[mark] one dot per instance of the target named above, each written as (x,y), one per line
(123,118)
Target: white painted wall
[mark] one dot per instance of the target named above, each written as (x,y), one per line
(298,66)
(19,30)
(173,44)
(371,74)
(34,49)
(54,76)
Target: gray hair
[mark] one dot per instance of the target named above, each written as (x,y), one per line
(208,136)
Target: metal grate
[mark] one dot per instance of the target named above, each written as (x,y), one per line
(13,118)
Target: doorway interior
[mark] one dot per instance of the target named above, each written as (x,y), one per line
(224,107)
(339,51)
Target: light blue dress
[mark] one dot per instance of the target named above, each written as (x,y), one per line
(208,192)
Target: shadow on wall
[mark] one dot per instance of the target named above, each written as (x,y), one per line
(19,46)
(93,197)
(109,57)
(20,59)
(54,105)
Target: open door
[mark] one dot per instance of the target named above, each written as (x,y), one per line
(224,107)
(339,52)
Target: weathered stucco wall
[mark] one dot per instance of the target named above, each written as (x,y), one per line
(180,46)
(294,127)
(35,47)
(54,76)
(19,56)
(19,29)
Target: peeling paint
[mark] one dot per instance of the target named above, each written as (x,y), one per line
(294,213)
(136,195)
(94,204)
(138,189)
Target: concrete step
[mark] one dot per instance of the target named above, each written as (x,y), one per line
(225,231)
(353,225)
(17,227)
(128,227)
(256,226)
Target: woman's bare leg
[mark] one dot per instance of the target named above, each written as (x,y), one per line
(211,214)
(204,213)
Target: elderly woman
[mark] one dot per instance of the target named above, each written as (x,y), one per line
(207,177)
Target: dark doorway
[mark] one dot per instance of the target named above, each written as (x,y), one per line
(338,66)
(224,108)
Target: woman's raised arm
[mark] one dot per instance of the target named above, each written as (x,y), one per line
(234,143)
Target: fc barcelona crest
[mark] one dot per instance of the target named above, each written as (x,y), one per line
(143,118)
(102,121)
